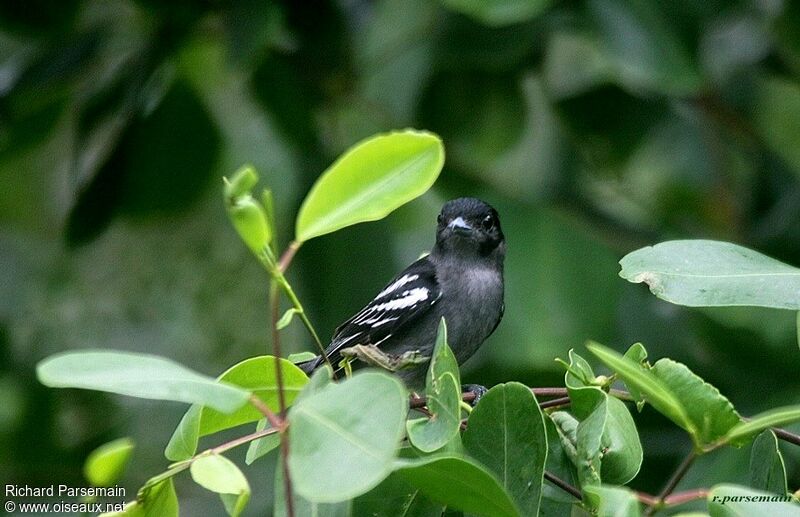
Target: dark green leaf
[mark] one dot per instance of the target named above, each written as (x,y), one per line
(506,433)
(498,13)
(460,484)
(767,469)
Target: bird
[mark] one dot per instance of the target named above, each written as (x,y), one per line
(460,280)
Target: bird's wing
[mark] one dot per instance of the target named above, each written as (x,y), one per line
(404,300)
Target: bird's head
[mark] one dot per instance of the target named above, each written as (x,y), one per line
(470,227)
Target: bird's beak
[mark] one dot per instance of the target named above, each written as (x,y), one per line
(460,226)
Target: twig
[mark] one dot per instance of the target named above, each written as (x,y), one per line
(243,440)
(563,401)
(786,435)
(288,255)
(676,477)
(685,497)
(274,420)
(563,485)
(276,350)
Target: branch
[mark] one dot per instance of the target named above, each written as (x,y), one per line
(288,255)
(681,471)
(276,350)
(563,485)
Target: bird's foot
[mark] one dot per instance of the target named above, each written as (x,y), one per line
(476,389)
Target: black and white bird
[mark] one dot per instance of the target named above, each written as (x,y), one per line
(460,280)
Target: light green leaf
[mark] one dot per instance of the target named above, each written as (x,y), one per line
(458,483)
(329,433)
(706,273)
(612,501)
(158,500)
(256,374)
(262,446)
(246,214)
(284,320)
(653,389)
(767,469)
(138,375)
(498,13)
(104,465)
(506,433)
(371,180)
(740,501)
(219,474)
(777,417)
(443,392)
(300,357)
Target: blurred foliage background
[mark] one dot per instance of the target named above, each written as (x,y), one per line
(595,127)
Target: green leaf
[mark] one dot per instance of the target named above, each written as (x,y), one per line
(241,183)
(459,483)
(358,441)
(638,354)
(138,375)
(713,415)
(443,392)
(767,469)
(371,180)
(302,506)
(589,439)
(158,500)
(743,431)
(262,446)
(395,497)
(612,501)
(256,374)
(301,357)
(701,273)
(506,433)
(561,464)
(738,501)
(104,465)
(622,456)
(653,389)
(284,320)
(497,13)
(219,474)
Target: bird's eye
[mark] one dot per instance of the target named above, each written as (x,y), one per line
(439,219)
(488,222)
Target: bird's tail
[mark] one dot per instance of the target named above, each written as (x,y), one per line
(309,366)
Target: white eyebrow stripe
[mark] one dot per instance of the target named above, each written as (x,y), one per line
(403,280)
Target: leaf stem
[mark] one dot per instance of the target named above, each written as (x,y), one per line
(288,255)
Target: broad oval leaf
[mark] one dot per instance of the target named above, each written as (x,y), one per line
(371,180)
(396,497)
(351,429)
(702,273)
(138,375)
(459,483)
(219,474)
(256,374)
(262,446)
(104,465)
(158,500)
(302,506)
(443,393)
(506,433)
(623,454)
(735,500)
(767,469)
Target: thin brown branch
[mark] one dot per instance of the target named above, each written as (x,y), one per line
(288,255)
(549,392)
(563,485)
(563,401)
(243,440)
(686,496)
(274,420)
(786,436)
(276,350)
(676,477)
